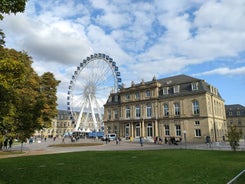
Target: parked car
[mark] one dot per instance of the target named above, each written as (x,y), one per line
(110,137)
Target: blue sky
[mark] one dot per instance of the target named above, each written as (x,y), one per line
(201,38)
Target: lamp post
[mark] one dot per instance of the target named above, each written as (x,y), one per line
(185,137)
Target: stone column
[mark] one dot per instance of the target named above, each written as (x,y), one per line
(156,128)
(131,125)
(143,128)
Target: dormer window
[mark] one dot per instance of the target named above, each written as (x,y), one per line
(165,91)
(176,89)
(194,86)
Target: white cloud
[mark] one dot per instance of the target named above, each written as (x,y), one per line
(224,71)
(145,38)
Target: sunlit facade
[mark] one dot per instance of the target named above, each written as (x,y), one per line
(181,106)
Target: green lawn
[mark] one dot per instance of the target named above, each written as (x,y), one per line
(114,167)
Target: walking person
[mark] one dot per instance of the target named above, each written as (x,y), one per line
(5,143)
(141,141)
(10,142)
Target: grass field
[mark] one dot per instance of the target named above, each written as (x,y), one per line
(115,167)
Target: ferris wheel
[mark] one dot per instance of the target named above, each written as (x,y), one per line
(91,84)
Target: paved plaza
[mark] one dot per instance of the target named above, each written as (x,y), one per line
(43,147)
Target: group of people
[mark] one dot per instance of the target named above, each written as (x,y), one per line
(7,143)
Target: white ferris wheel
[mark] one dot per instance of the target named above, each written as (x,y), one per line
(91,84)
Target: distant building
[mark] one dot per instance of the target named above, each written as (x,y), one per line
(235,115)
(63,124)
(60,125)
(179,106)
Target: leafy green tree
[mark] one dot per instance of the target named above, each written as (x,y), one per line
(28,102)
(11,74)
(48,98)
(234,137)
(7,7)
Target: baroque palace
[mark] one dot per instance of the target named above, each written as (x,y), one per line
(181,106)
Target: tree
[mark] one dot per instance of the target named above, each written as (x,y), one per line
(48,98)
(10,6)
(234,137)
(28,102)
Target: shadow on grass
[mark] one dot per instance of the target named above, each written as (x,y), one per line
(10,152)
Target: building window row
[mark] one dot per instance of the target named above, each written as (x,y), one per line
(63,124)
(138,112)
(148,94)
(178,131)
(176,89)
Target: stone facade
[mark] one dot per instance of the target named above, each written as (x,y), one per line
(182,107)
(63,124)
(60,125)
(235,115)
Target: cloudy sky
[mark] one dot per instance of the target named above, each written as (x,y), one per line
(201,38)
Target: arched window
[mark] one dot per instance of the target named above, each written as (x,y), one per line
(137,129)
(127,128)
(149,130)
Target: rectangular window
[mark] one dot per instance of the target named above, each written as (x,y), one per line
(148,93)
(197,123)
(116,98)
(195,106)
(127,96)
(137,95)
(166,111)
(109,114)
(178,130)
(148,110)
(127,112)
(167,132)
(116,114)
(198,132)
(137,111)
(176,109)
